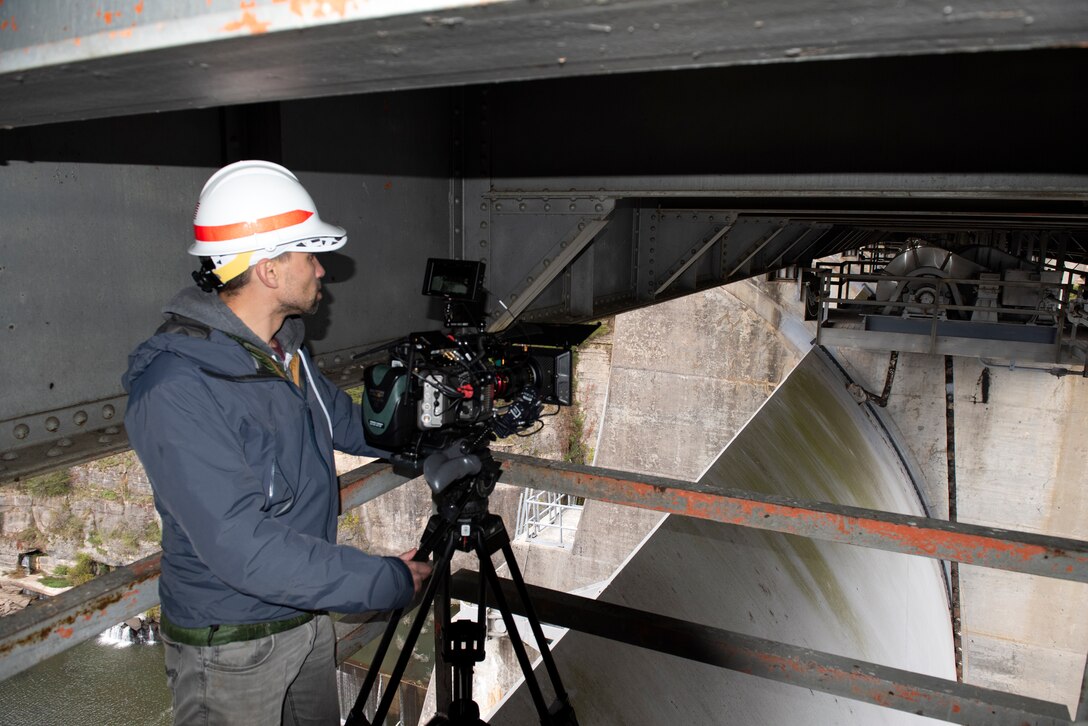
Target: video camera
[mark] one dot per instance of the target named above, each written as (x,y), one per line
(464,385)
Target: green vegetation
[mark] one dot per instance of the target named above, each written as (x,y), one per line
(577,451)
(68,526)
(126,539)
(54,581)
(31,537)
(60,570)
(356,394)
(53,484)
(349,528)
(152,532)
(84,570)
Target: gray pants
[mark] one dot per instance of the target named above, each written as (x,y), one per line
(287,678)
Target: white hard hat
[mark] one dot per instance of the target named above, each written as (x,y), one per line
(260,208)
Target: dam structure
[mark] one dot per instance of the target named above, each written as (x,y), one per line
(825,459)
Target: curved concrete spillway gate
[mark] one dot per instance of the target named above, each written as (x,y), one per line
(809,440)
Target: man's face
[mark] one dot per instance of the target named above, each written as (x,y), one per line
(300,293)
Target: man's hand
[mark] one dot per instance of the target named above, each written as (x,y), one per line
(420,570)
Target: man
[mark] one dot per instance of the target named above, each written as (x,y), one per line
(236,429)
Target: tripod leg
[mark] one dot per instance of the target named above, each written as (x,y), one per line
(534,622)
(561,713)
(442,567)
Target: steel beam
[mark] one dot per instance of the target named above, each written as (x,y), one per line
(859,680)
(1002,549)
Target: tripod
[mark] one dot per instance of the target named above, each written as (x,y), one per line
(464,523)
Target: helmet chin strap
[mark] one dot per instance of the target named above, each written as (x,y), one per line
(205,277)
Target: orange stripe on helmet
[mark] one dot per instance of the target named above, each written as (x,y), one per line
(224,232)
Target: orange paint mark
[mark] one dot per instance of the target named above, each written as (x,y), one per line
(339,7)
(956,708)
(65,632)
(246,5)
(248,22)
(387,186)
(77,41)
(139,7)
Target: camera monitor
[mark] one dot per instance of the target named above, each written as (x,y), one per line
(459,280)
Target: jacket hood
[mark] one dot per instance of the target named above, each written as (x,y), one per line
(215,352)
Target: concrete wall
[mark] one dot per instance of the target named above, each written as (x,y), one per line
(686,376)
(1019,464)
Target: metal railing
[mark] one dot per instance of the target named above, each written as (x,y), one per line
(547,518)
(79,614)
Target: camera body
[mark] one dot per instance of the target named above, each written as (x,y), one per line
(439,386)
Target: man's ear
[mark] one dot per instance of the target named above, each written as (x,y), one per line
(267,272)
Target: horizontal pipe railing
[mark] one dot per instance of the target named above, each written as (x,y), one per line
(47,628)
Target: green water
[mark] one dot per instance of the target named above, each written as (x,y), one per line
(93,684)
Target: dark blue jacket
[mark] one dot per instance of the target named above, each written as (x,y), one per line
(241,464)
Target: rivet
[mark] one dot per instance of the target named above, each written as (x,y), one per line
(54,452)
(598,207)
(9,456)
(108,411)
(64,443)
(572,206)
(498,207)
(52,423)
(547,207)
(529,279)
(483,206)
(105,439)
(79,418)
(483,224)
(521,207)
(547,262)
(483,243)
(21,431)
(113,430)
(513,297)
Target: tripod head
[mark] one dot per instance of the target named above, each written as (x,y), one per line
(461,478)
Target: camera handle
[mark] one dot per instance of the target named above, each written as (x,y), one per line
(463,641)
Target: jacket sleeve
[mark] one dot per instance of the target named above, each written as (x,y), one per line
(202,481)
